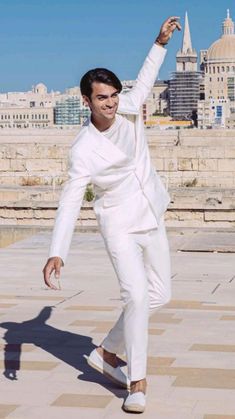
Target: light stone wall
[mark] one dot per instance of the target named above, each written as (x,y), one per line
(197,166)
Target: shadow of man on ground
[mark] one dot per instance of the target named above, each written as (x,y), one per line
(65,346)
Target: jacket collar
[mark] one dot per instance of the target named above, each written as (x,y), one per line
(104,147)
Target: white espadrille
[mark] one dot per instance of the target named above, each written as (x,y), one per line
(116,375)
(135,402)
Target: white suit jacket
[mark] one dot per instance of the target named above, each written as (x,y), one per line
(125,188)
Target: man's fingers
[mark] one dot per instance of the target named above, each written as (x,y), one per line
(57,271)
(47,271)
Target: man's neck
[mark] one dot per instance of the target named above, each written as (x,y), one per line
(102,125)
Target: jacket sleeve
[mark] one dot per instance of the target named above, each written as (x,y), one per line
(131,101)
(69,206)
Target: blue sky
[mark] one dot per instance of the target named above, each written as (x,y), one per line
(56,41)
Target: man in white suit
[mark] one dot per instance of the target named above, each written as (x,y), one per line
(111,152)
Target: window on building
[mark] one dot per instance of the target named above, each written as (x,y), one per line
(227,68)
(218,69)
(39,116)
(213,70)
(36,117)
(223,69)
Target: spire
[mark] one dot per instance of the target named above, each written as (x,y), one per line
(187,44)
(228,25)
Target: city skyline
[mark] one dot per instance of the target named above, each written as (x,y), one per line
(56,43)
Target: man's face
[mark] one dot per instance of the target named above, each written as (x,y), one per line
(104,102)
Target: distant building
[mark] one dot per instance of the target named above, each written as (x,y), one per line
(218,64)
(20,117)
(184,85)
(37,97)
(69,110)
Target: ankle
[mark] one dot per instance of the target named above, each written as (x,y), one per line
(140,385)
(107,356)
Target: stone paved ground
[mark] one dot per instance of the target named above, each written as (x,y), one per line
(44,334)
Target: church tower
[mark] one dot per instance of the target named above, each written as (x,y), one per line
(186,57)
(184,85)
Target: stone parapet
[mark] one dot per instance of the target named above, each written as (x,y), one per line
(197,166)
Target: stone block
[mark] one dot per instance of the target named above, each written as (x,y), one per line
(17,214)
(51,166)
(17,165)
(163,152)
(220,216)
(187,152)
(210,152)
(229,152)
(4,165)
(170,165)
(44,214)
(226,165)
(207,165)
(187,164)
(158,164)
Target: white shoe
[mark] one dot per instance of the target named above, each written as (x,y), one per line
(135,402)
(96,361)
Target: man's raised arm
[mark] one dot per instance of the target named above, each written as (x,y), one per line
(131,101)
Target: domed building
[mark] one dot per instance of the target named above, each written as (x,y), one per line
(40,88)
(218,64)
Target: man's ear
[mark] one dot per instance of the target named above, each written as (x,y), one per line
(86,100)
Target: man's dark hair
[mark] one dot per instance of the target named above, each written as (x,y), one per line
(99,75)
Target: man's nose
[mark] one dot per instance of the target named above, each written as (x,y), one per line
(110,101)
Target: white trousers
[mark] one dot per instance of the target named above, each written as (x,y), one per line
(142,263)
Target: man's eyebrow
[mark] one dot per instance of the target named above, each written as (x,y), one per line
(105,96)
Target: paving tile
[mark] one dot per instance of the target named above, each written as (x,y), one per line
(232,318)
(6,409)
(164,318)
(160,361)
(82,400)
(197,377)
(157,332)
(189,305)
(91,308)
(29,365)
(31,297)
(15,347)
(219,417)
(92,323)
(212,347)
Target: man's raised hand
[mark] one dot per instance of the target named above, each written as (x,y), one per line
(53,265)
(167,29)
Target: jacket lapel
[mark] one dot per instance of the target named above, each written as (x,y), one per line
(105,148)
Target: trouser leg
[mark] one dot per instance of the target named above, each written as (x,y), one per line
(158,267)
(132,327)
(154,256)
